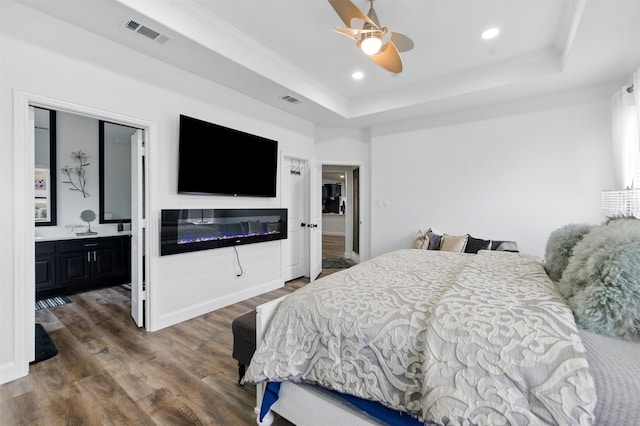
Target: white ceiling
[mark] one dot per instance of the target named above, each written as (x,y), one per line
(268,49)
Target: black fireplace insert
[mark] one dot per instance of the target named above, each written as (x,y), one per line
(185,230)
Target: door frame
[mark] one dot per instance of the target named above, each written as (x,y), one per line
(24,228)
(349,223)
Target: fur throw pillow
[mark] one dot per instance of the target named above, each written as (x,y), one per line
(602,279)
(560,246)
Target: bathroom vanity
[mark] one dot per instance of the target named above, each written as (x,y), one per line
(73,264)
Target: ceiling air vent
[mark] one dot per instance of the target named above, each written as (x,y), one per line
(146,31)
(290,99)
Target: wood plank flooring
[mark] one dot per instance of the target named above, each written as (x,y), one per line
(109,372)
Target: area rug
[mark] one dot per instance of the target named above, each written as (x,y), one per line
(335,263)
(45,348)
(50,302)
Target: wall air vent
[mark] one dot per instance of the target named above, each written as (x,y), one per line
(146,31)
(290,99)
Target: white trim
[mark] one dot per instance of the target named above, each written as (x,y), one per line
(24,229)
(196,310)
(363,244)
(23,353)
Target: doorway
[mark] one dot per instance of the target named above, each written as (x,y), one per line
(92,249)
(341,211)
(24,283)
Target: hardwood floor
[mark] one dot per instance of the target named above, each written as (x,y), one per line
(109,372)
(333,248)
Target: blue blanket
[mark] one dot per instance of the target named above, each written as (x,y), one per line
(379,411)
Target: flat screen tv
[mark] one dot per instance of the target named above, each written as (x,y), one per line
(217,160)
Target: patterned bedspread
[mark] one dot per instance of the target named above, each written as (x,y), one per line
(446,337)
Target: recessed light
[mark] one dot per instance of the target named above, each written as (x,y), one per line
(358,75)
(490,33)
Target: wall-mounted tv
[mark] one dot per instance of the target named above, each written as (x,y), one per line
(217,160)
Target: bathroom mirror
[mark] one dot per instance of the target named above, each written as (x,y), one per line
(45,167)
(115,172)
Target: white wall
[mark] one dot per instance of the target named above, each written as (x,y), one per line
(349,147)
(517,177)
(47,57)
(75,133)
(333,224)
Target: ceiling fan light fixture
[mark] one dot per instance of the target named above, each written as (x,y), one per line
(381,45)
(370,45)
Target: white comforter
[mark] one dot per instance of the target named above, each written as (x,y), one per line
(446,337)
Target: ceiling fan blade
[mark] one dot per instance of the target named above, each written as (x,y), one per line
(401,41)
(346,32)
(353,32)
(389,59)
(347,11)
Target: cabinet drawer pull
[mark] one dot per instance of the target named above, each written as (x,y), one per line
(89,256)
(94,256)
(91,245)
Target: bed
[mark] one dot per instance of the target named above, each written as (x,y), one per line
(436,338)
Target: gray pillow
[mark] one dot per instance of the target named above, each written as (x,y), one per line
(434,240)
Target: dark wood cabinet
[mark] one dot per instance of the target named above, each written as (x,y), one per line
(82,264)
(45,265)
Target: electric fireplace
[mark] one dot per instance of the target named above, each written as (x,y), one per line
(185,230)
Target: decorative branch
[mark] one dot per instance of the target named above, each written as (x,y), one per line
(77,175)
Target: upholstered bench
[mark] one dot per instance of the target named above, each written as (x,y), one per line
(244,340)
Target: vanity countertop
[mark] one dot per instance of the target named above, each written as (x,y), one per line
(73,236)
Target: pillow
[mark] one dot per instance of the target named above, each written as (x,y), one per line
(434,240)
(602,279)
(474,245)
(511,246)
(560,246)
(421,241)
(455,243)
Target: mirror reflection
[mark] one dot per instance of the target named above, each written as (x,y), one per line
(115,172)
(45,167)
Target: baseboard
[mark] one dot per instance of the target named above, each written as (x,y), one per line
(352,256)
(10,371)
(193,311)
(337,234)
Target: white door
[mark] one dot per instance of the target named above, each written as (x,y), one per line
(315,222)
(138,228)
(293,199)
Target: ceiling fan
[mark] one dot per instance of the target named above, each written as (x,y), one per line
(380,44)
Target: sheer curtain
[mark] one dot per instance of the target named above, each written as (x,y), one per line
(636,96)
(625,138)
